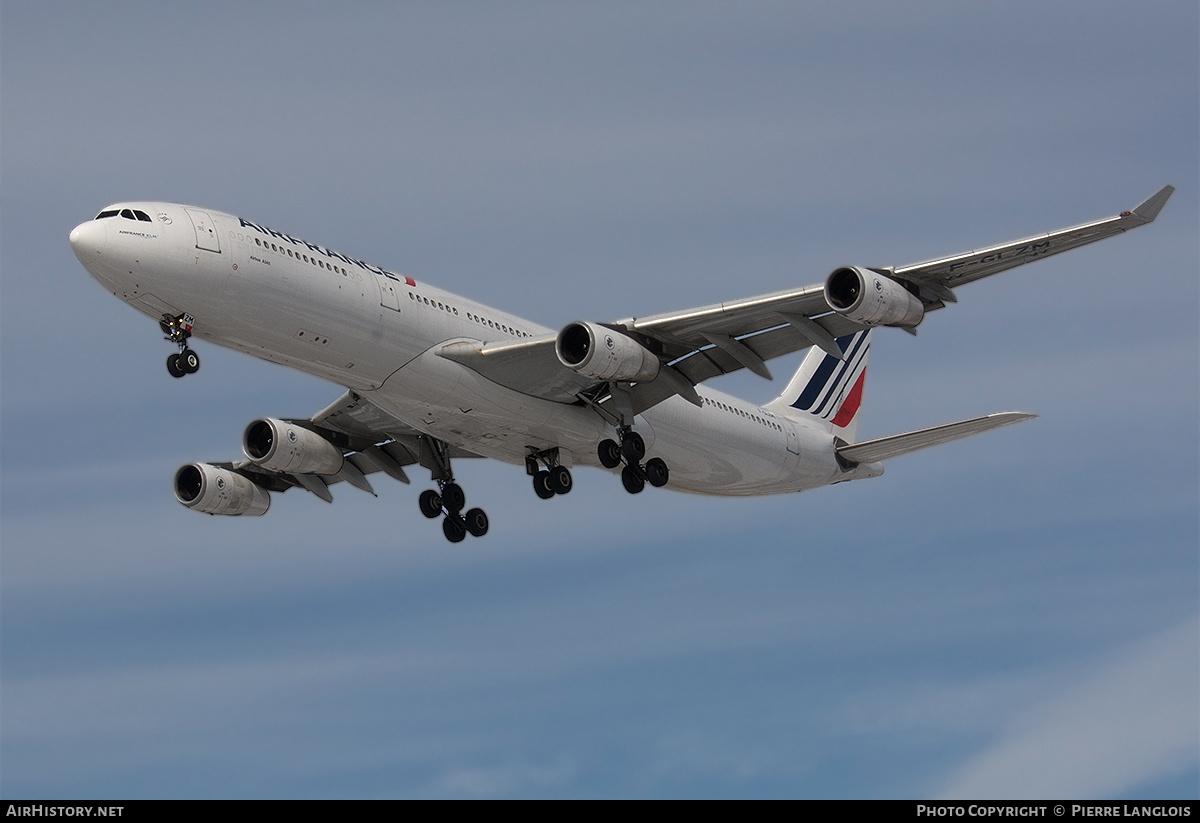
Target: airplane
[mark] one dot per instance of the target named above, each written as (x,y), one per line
(432,377)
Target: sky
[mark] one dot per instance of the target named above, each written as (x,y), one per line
(1013,615)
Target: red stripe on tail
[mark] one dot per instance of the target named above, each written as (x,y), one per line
(851,403)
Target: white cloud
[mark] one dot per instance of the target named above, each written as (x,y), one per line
(502,781)
(1130,721)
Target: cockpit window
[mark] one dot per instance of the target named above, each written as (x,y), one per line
(109,213)
(128,214)
(136,214)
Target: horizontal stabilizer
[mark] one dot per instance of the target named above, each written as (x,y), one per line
(872,451)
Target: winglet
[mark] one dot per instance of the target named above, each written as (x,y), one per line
(1153,205)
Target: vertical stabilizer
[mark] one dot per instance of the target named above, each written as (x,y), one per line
(827,389)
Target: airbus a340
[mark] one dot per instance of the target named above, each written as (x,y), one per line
(432,377)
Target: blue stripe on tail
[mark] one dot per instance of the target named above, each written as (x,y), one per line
(821,377)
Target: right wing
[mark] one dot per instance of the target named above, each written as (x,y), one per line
(369,439)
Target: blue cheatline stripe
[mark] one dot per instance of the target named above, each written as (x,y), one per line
(837,388)
(820,379)
(815,383)
(812,390)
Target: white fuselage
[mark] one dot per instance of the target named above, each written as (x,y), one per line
(280,298)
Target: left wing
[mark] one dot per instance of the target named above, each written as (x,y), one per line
(697,344)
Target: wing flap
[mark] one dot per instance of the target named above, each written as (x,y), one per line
(361,420)
(873,451)
(684,332)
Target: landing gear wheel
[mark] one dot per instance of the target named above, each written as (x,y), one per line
(453,497)
(477,522)
(454,528)
(632,479)
(541,485)
(609,453)
(189,361)
(633,447)
(173,366)
(560,479)
(656,472)
(431,503)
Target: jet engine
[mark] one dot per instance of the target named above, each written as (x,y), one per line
(872,299)
(286,447)
(213,490)
(603,354)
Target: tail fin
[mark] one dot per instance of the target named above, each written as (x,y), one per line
(827,389)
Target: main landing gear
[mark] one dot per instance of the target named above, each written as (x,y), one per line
(631,449)
(554,479)
(178,330)
(449,499)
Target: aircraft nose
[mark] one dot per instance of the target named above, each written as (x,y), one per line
(88,240)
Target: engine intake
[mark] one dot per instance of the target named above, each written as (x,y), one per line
(603,354)
(286,447)
(865,297)
(213,490)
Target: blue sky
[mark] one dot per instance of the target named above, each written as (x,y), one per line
(1012,615)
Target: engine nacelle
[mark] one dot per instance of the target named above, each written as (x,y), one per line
(872,299)
(603,354)
(212,490)
(286,447)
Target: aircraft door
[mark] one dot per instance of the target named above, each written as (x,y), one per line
(389,295)
(793,442)
(206,230)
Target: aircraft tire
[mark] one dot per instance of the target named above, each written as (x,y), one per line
(632,479)
(541,485)
(453,497)
(657,472)
(633,447)
(477,522)
(189,361)
(609,453)
(454,528)
(431,503)
(560,479)
(173,366)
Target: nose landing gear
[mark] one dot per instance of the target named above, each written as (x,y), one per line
(178,330)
